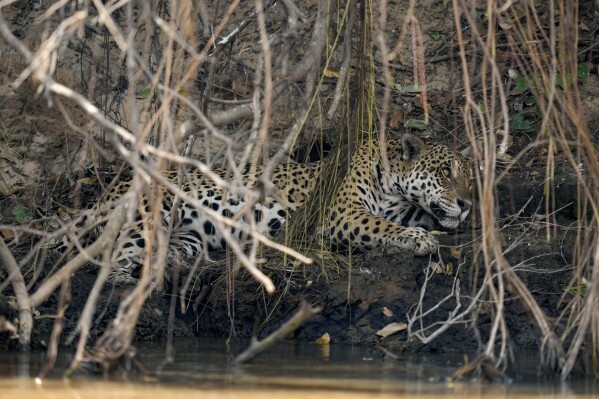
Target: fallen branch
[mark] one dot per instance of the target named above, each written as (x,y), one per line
(304,313)
(23,300)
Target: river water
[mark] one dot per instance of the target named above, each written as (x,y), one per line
(202,369)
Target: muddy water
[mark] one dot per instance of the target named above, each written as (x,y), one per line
(202,370)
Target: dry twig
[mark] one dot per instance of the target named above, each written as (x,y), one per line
(303,314)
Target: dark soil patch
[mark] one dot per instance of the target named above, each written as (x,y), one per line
(383,287)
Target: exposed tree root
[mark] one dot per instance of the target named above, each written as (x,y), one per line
(23,300)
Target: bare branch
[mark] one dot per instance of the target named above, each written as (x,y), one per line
(303,314)
(21,293)
(116,221)
(310,62)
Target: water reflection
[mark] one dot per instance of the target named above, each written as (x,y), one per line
(202,369)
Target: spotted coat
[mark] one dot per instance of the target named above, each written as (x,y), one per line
(425,185)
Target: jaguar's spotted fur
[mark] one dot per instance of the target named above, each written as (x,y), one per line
(424,185)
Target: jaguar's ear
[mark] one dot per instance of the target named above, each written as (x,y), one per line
(411,147)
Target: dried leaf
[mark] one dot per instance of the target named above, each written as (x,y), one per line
(10,191)
(387,312)
(325,339)
(456,253)
(396,119)
(418,124)
(584,27)
(485,308)
(536,226)
(438,233)
(8,234)
(65,214)
(330,73)
(418,101)
(504,158)
(89,180)
(518,105)
(449,269)
(391,329)
(407,89)
(438,267)
(12,302)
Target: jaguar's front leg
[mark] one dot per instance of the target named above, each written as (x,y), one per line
(414,239)
(367,231)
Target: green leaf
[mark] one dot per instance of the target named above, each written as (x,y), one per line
(143,94)
(407,89)
(520,124)
(418,124)
(446,3)
(563,84)
(436,36)
(583,72)
(529,99)
(505,158)
(21,213)
(559,82)
(522,84)
(580,290)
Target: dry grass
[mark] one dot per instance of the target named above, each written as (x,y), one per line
(545,54)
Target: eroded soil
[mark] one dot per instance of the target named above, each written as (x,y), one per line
(384,286)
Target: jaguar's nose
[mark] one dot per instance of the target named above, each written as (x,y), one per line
(464,204)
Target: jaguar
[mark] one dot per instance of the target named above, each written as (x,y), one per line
(394,201)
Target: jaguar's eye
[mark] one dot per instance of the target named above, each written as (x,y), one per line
(446,172)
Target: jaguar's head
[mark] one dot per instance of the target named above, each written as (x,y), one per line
(433,177)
